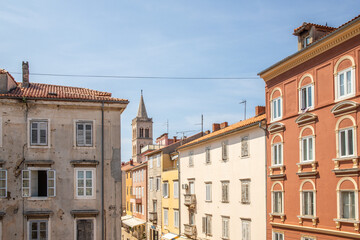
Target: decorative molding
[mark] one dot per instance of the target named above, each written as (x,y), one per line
(39,162)
(306,118)
(276,127)
(84,213)
(84,162)
(344,107)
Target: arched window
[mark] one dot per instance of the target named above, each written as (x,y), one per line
(344,73)
(141,132)
(276,104)
(147,133)
(277,150)
(346,137)
(307,144)
(307,199)
(277,198)
(306,92)
(347,193)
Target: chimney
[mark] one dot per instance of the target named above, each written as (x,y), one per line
(259,110)
(207,132)
(175,139)
(215,127)
(223,125)
(25,74)
(7,82)
(131,162)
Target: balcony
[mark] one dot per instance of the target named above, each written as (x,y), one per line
(138,200)
(190,200)
(190,230)
(153,217)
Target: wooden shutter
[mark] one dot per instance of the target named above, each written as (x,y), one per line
(88,134)
(3,183)
(51,183)
(208,225)
(204,225)
(26,183)
(43,133)
(224,151)
(80,134)
(243,192)
(34,132)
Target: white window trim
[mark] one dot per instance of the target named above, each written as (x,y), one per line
(207,155)
(39,219)
(274,119)
(210,194)
(29,133)
(176,189)
(93,134)
(227,219)
(281,233)
(166,184)
(191,159)
(37,197)
(248,146)
(6,187)
(301,197)
(313,148)
(242,183)
(354,142)
(312,85)
(337,86)
(243,223)
(338,196)
(85,218)
(272,197)
(273,152)
(93,183)
(178,218)
(166,223)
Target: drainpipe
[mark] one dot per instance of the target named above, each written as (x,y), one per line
(102,173)
(179,181)
(266,214)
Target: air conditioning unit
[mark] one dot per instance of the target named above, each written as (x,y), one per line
(184,186)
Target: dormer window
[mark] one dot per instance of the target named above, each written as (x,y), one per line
(307,41)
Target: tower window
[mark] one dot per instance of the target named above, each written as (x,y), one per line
(141,132)
(147,133)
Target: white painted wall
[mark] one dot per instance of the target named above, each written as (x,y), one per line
(236,168)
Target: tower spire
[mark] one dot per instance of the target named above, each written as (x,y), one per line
(142,109)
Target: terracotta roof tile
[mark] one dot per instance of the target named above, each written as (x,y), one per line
(55,92)
(128,166)
(316,25)
(228,129)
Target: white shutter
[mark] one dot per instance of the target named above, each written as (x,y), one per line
(3,184)
(43,132)
(80,134)
(26,183)
(209,225)
(51,183)
(88,134)
(176,189)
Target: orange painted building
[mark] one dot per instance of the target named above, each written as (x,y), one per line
(313,143)
(139,185)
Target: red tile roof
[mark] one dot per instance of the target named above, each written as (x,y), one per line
(55,92)
(305,24)
(229,129)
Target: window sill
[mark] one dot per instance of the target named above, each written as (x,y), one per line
(84,147)
(339,221)
(339,99)
(245,203)
(39,146)
(38,198)
(208,201)
(225,201)
(85,198)
(277,215)
(314,219)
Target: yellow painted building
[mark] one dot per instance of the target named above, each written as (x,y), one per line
(170,198)
(129,206)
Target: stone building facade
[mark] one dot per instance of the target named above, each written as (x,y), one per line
(60,161)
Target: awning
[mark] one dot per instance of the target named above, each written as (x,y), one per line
(126,217)
(132,222)
(170,236)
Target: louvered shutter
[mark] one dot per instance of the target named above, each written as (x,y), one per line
(51,183)
(43,132)
(88,134)
(80,134)
(204,225)
(26,183)
(208,225)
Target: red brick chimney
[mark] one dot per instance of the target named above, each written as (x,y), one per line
(259,110)
(215,127)
(207,132)
(131,162)
(25,74)
(224,125)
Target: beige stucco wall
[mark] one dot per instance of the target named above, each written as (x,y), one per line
(15,150)
(236,168)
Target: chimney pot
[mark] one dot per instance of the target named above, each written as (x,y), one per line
(215,127)
(259,110)
(223,125)
(207,132)
(25,74)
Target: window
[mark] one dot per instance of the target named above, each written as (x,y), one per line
(278,236)
(38,183)
(308,203)
(38,229)
(191,159)
(154,206)
(158,158)
(85,183)
(307,153)
(346,142)
(345,83)
(347,201)
(3,183)
(165,189)
(244,146)
(208,187)
(176,218)
(277,201)
(166,216)
(141,132)
(245,191)
(308,238)
(142,191)
(246,229)
(151,162)
(306,41)
(191,187)
(151,183)
(39,132)
(176,189)
(277,154)
(206,225)
(207,155)
(225,227)
(84,229)
(147,135)
(224,151)
(191,218)
(306,97)
(276,109)
(157,183)
(225,191)
(84,135)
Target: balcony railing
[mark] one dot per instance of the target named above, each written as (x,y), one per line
(190,230)
(152,216)
(138,200)
(190,200)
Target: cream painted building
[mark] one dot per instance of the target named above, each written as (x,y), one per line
(222,179)
(60,161)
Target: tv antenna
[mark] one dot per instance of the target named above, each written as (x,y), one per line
(244,102)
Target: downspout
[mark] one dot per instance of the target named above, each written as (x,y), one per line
(102,173)
(179,180)
(266,214)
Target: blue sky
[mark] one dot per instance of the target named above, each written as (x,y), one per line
(202,38)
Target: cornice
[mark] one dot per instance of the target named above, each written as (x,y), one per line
(328,42)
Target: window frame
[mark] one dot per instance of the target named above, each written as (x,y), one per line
(245,140)
(245,190)
(6,183)
(176,219)
(93,219)
(278,108)
(38,143)
(191,159)
(29,180)
(280,154)
(207,225)
(278,236)
(304,207)
(245,229)
(158,183)
(346,130)
(225,222)
(208,184)
(208,155)
(224,151)
(352,205)
(38,221)
(307,102)
(166,219)
(176,194)
(302,148)
(92,135)
(352,82)
(166,187)
(225,197)
(93,180)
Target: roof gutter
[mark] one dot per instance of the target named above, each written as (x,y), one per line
(66,100)
(311,46)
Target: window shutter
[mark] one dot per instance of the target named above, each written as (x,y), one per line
(34,135)
(88,134)
(26,183)
(3,183)
(243,192)
(51,183)
(204,225)
(80,134)
(208,225)
(43,132)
